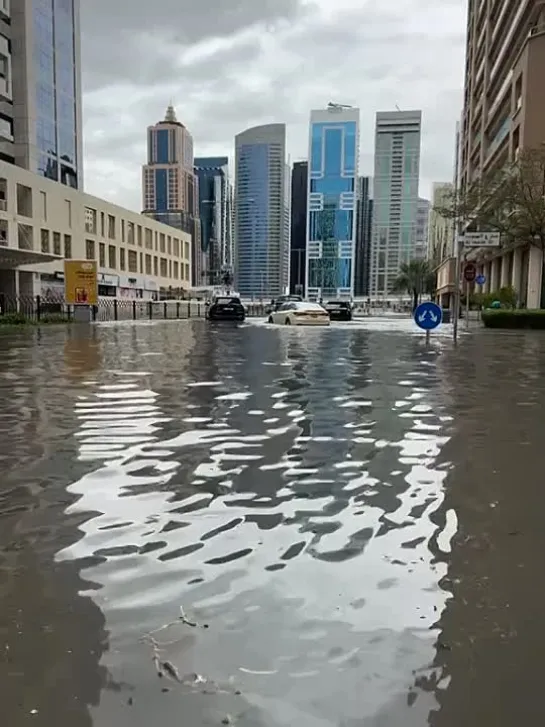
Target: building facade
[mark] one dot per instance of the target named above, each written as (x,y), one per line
(40,88)
(169,185)
(504,112)
(331,216)
(216,217)
(262,214)
(364,226)
(422,227)
(298,235)
(42,223)
(397,173)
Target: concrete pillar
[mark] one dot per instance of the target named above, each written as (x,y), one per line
(504,279)
(486,273)
(517,270)
(494,275)
(535,268)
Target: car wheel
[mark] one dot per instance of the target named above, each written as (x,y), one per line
(270,320)
(288,322)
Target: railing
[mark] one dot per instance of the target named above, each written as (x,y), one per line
(36,308)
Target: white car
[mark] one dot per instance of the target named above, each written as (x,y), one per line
(300,313)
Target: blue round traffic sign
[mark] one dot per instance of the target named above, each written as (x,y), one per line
(428,316)
(480,279)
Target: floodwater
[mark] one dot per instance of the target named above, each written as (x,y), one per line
(312,527)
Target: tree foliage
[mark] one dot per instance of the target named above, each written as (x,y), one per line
(510,200)
(415,278)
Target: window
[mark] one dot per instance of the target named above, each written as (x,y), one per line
(148,264)
(90,220)
(43,206)
(102,254)
(148,238)
(111,227)
(163,267)
(141,262)
(175,269)
(122,262)
(57,243)
(102,225)
(4,66)
(44,234)
(155,266)
(176,248)
(139,235)
(130,233)
(112,257)
(90,250)
(133,261)
(68,246)
(186,250)
(162,242)
(169,245)
(122,230)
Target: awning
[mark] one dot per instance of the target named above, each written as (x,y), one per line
(13,257)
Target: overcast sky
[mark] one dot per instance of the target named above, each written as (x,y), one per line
(261,61)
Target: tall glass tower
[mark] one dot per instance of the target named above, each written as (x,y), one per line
(395,206)
(331,226)
(46,88)
(262,212)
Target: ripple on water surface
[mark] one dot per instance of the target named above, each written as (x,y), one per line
(281,490)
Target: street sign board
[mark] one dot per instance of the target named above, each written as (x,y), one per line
(480,239)
(480,279)
(81,282)
(428,316)
(470,272)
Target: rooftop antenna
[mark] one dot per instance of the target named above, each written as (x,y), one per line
(332,105)
(397,108)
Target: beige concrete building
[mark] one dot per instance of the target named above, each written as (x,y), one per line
(43,222)
(504,111)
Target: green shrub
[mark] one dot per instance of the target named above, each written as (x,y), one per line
(514,319)
(47,318)
(14,319)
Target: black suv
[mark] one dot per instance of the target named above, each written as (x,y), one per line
(226,308)
(339,310)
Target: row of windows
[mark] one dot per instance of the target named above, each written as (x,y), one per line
(114,258)
(134,234)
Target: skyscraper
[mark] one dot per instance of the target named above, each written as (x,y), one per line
(364,221)
(331,227)
(169,184)
(422,226)
(397,172)
(215,213)
(262,218)
(40,110)
(298,237)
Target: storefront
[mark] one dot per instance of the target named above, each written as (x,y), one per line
(137,287)
(107,285)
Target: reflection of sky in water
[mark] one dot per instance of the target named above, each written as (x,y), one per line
(293,511)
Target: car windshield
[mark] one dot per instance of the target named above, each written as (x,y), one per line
(337,304)
(308,306)
(226,301)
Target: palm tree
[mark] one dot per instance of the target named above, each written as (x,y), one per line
(415,278)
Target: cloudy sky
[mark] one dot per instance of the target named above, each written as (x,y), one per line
(261,61)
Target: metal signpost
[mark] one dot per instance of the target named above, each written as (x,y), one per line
(428,316)
(465,243)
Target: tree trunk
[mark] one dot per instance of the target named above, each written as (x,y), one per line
(415,300)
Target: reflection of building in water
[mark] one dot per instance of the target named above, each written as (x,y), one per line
(82,351)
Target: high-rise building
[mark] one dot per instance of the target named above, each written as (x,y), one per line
(298,238)
(40,88)
(169,184)
(215,213)
(262,217)
(364,222)
(441,252)
(422,226)
(504,113)
(397,172)
(331,227)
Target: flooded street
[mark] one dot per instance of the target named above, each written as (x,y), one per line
(334,527)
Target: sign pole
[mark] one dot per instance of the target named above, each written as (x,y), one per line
(457,288)
(467,305)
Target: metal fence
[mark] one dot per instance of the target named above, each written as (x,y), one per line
(38,308)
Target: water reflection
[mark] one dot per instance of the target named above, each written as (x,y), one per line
(281,486)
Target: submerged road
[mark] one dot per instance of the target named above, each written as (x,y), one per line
(311,527)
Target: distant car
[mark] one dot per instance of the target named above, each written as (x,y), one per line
(339,310)
(300,313)
(226,308)
(275,305)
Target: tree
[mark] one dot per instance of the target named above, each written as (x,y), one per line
(510,200)
(415,278)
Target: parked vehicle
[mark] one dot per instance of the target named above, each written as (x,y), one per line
(226,308)
(275,304)
(339,310)
(300,313)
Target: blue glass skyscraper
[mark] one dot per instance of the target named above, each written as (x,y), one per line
(331,228)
